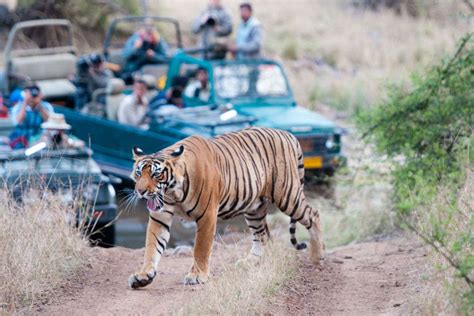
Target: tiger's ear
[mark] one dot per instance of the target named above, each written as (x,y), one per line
(137,152)
(178,152)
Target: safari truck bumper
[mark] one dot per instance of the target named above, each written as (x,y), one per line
(322,152)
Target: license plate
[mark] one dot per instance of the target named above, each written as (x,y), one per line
(313,162)
(307,144)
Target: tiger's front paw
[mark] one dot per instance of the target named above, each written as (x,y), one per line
(141,279)
(193,278)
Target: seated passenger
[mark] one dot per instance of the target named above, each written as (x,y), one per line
(173,95)
(28,115)
(133,107)
(55,133)
(199,88)
(143,48)
(91,74)
(99,75)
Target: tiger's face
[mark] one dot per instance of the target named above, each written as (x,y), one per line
(154,176)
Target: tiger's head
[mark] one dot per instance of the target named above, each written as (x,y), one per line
(155,175)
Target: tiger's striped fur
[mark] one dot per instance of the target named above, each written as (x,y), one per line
(238,173)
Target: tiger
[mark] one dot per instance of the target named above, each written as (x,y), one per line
(202,179)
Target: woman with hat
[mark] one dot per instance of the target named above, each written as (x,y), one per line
(55,133)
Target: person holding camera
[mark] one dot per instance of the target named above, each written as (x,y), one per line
(99,75)
(249,35)
(213,23)
(28,115)
(91,74)
(143,48)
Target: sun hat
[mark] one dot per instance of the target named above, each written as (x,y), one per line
(56,121)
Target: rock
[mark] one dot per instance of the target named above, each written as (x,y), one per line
(183,251)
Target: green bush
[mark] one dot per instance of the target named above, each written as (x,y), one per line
(428,132)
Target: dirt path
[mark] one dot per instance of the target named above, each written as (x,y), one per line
(379,277)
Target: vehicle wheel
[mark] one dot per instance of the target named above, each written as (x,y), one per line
(103,236)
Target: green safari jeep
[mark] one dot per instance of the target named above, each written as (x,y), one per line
(260,89)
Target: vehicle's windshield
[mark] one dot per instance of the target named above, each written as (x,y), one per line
(250,80)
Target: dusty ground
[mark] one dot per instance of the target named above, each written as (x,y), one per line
(377,277)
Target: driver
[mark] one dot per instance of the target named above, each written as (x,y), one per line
(143,48)
(199,88)
(28,115)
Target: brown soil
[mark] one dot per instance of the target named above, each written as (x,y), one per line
(377,277)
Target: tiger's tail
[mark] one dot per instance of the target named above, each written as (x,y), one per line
(294,242)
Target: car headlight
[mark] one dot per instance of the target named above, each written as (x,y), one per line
(333,141)
(330,142)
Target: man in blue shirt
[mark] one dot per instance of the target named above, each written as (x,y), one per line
(249,35)
(28,115)
(144,47)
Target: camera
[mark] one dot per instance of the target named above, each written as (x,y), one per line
(82,64)
(211,21)
(147,45)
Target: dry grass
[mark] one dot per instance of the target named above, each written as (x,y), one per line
(40,249)
(244,289)
(446,290)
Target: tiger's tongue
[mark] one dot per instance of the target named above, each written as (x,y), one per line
(151,204)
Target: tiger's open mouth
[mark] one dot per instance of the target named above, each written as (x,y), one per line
(155,203)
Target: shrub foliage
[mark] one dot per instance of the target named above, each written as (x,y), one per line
(428,132)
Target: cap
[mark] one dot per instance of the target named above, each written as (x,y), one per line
(96,59)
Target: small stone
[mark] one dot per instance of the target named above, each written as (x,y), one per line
(397,305)
(347,257)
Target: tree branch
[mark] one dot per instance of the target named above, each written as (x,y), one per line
(440,251)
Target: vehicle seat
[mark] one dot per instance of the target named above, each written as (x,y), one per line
(50,72)
(114,96)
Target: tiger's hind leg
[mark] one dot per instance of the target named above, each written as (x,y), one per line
(256,221)
(295,206)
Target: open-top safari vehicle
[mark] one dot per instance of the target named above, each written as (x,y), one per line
(73,174)
(253,92)
(50,61)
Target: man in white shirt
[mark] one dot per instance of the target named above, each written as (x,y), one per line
(199,88)
(133,107)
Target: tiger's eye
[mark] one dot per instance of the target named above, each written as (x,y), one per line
(138,173)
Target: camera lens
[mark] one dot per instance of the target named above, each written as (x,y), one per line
(211,21)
